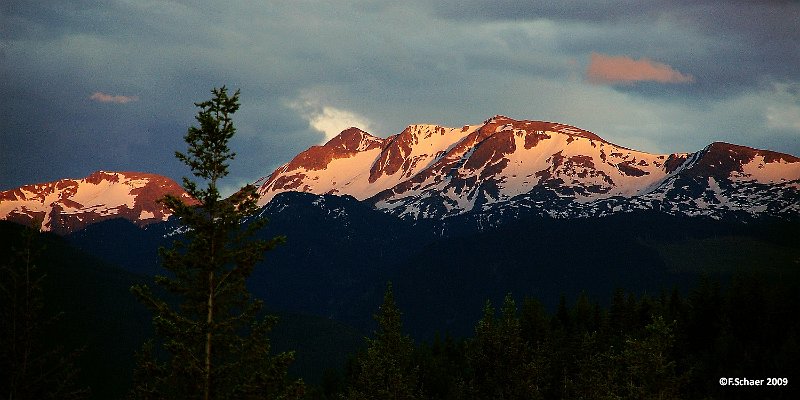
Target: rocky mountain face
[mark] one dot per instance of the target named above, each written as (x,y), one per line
(69,205)
(508,168)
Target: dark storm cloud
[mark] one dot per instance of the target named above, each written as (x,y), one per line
(712,11)
(306,67)
(729,45)
(582,10)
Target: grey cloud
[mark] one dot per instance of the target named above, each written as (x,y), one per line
(582,10)
(731,45)
(395,63)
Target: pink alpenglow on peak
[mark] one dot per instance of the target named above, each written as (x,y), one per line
(430,171)
(68,205)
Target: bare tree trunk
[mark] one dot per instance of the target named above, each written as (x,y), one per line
(210,303)
(209,319)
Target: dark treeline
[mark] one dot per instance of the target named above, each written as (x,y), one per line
(672,344)
(669,346)
(32,366)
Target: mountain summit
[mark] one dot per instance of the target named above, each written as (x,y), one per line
(547,168)
(68,205)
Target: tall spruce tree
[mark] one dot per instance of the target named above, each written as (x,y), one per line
(210,341)
(386,371)
(500,361)
(649,369)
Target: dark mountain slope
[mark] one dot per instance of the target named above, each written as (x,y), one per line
(444,286)
(99,314)
(123,244)
(337,257)
(340,253)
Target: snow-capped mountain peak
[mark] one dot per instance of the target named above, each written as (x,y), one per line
(741,163)
(68,205)
(359,164)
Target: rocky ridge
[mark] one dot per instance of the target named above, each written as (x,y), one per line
(512,167)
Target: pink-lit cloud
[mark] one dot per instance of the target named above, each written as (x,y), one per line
(110,98)
(605,69)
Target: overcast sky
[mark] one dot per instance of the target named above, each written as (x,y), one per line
(110,85)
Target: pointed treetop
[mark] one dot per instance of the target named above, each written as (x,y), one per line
(208,154)
(389,316)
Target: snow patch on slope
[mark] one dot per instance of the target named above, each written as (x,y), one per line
(761,171)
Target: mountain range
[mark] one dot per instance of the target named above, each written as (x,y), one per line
(535,167)
(500,170)
(453,217)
